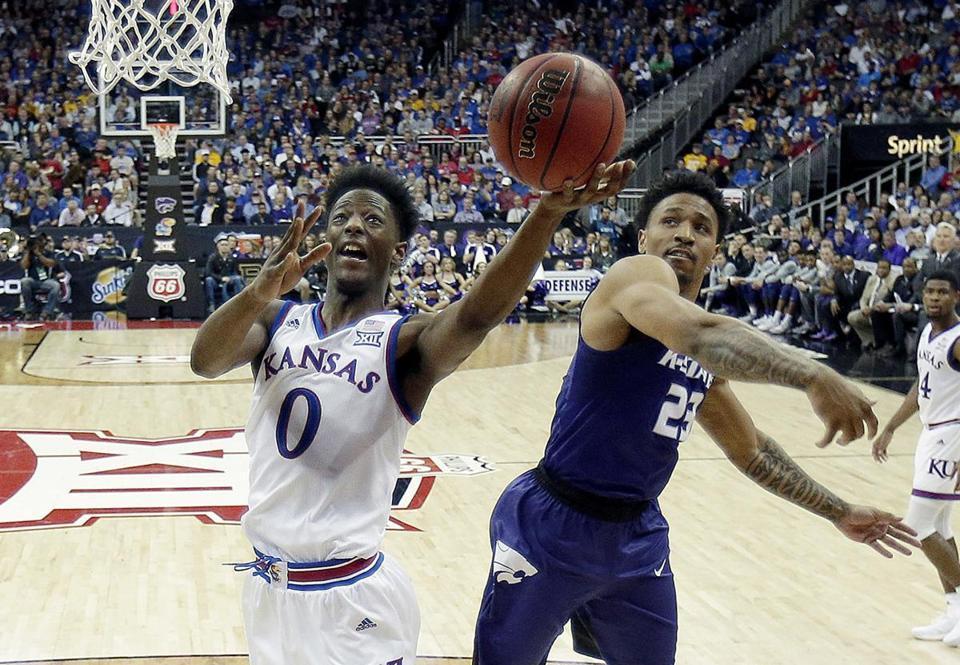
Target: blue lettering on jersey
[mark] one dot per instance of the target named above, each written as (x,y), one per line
(925,354)
(318,359)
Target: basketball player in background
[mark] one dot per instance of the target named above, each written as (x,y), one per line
(337,387)
(936,482)
(582,537)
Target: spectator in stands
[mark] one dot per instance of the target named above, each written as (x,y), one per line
(44,212)
(746,176)
(252,208)
(222,274)
(424,252)
(849,283)
(122,162)
(469,215)
(68,251)
(695,160)
(476,252)
(899,311)
(232,214)
(605,254)
(450,248)
(933,175)
(211,212)
(893,252)
(715,289)
(41,278)
(110,250)
(69,197)
(944,254)
(875,290)
(444,209)
(96,198)
(120,211)
(261,216)
(92,217)
(778,287)
(281,211)
(751,286)
(518,212)
(424,209)
(72,215)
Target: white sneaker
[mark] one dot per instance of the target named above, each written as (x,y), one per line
(767,325)
(952,639)
(938,630)
(762,320)
(747,318)
(783,328)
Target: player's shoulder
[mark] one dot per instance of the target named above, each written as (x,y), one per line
(639,268)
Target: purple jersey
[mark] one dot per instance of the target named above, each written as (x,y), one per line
(621,416)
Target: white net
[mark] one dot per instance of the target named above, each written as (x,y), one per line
(147,42)
(164,139)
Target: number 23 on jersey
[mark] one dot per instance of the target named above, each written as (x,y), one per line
(677,413)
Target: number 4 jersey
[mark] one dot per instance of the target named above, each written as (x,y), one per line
(938,391)
(325,433)
(621,416)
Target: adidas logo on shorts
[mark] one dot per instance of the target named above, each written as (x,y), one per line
(366,624)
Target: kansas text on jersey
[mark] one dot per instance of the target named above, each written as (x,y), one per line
(325,434)
(938,387)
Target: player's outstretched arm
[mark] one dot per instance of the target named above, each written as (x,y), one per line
(432,347)
(643,292)
(760,458)
(238,332)
(907,409)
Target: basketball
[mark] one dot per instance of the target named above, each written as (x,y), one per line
(556,116)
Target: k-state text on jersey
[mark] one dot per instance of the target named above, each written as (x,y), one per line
(686,366)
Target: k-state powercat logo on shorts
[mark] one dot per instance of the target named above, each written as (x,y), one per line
(55,479)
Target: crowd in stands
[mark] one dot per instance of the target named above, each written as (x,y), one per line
(858,278)
(311,74)
(869,62)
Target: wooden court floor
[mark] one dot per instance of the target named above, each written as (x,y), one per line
(759,581)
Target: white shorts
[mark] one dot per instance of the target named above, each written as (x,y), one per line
(372,621)
(935,464)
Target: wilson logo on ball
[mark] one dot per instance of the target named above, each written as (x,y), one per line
(540,107)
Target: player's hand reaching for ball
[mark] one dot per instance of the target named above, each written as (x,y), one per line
(607,181)
(285,267)
(878,529)
(842,407)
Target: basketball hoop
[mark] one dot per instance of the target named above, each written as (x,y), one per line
(183,41)
(164,139)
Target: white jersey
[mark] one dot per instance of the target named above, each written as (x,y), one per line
(325,435)
(938,391)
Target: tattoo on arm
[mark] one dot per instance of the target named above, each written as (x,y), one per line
(739,353)
(776,472)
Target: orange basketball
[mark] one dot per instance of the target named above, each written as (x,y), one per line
(556,116)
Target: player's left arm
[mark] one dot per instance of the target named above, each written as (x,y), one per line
(761,459)
(430,348)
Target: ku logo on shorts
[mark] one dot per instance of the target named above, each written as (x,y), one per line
(510,566)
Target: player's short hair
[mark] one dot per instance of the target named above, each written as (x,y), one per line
(688,182)
(945,276)
(383,183)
